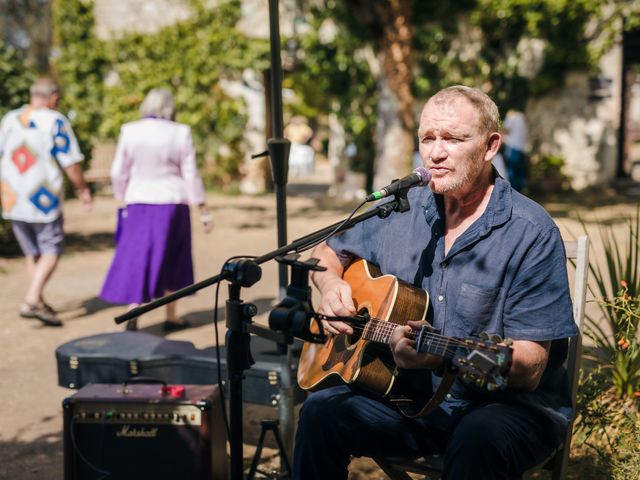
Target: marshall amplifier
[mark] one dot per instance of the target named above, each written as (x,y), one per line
(139,431)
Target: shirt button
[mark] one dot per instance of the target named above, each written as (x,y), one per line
(443,264)
(440,298)
(448,396)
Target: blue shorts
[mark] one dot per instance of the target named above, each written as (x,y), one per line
(36,239)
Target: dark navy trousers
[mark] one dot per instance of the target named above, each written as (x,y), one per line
(492,441)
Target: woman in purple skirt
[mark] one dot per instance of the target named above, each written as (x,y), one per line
(154,175)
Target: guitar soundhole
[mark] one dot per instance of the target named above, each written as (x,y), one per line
(361,318)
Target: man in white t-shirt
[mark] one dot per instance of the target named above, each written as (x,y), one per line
(515,142)
(35,143)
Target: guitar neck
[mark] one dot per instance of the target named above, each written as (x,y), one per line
(380,331)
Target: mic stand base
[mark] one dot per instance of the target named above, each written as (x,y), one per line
(270,425)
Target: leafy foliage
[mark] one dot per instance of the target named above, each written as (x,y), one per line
(190,57)
(15,81)
(621,269)
(474,42)
(545,174)
(608,417)
(14,78)
(334,76)
(609,426)
(80,67)
(619,354)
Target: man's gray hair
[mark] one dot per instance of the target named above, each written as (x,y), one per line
(486,108)
(158,104)
(44,87)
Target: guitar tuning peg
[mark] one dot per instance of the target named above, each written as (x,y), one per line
(484,336)
(496,338)
(508,342)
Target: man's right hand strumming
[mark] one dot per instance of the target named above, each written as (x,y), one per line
(335,293)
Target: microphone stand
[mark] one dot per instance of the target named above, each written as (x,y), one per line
(244,273)
(279,147)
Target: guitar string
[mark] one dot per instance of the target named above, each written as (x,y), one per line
(438,347)
(387,328)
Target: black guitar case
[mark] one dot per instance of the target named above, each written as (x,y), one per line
(117,357)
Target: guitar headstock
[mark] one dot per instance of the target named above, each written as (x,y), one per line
(485,362)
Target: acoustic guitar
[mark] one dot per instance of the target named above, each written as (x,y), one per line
(364,359)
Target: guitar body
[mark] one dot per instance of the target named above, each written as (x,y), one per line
(353,360)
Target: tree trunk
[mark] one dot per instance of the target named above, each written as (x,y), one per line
(389,21)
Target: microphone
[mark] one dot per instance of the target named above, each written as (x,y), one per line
(420,177)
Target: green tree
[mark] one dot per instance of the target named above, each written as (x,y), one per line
(480,43)
(15,81)
(14,78)
(191,57)
(334,77)
(105,81)
(26,24)
(80,67)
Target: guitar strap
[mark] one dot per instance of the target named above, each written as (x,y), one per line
(435,400)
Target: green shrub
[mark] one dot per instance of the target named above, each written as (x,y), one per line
(617,285)
(107,80)
(608,425)
(546,174)
(608,420)
(15,80)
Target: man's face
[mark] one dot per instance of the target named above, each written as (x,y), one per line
(452,146)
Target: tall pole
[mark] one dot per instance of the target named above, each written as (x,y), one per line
(622,133)
(279,156)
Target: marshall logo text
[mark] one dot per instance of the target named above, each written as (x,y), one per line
(127,431)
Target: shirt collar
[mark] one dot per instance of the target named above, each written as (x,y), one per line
(498,210)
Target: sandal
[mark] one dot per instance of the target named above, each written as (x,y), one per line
(48,307)
(46,316)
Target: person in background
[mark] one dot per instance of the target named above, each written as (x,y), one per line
(36,141)
(515,151)
(154,175)
(301,154)
(492,261)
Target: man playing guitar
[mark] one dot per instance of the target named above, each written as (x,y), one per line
(491,261)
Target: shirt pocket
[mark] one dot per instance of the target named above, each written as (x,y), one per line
(475,308)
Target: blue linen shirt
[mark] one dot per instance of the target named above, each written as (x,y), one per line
(506,275)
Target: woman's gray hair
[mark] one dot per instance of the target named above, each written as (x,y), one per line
(158,104)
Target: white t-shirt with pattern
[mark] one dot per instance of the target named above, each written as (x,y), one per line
(34,144)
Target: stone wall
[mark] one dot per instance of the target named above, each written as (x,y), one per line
(117,17)
(580,129)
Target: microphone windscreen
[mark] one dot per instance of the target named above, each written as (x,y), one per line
(424,174)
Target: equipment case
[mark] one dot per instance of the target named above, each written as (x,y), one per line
(118,357)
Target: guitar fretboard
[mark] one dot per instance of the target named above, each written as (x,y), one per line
(380,331)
